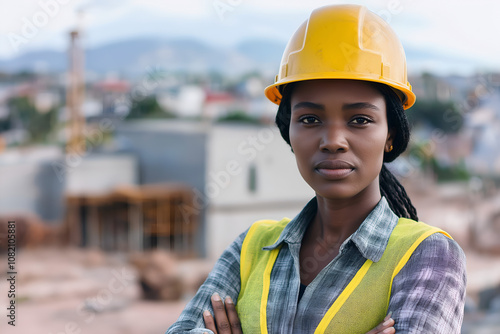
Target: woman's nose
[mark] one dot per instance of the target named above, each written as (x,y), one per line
(333,139)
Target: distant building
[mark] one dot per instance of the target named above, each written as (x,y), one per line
(217,104)
(184,101)
(36,180)
(239,173)
(484,124)
(108,92)
(47,100)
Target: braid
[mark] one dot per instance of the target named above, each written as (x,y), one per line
(390,187)
(397,121)
(396,195)
(284,114)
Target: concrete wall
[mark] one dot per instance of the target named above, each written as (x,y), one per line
(167,151)
(236,154)
(102,173)
(233,151)
(35,181)
(29,185)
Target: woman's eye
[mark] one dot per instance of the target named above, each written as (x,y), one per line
(309,120)
(361,120)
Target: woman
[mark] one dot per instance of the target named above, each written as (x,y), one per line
(356,253)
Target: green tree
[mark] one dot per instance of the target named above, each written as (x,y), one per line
(147,107)
(22,112)
(238,116)
(436,114)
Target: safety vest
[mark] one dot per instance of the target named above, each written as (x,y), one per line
(360,307)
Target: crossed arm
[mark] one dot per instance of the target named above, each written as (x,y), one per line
(226,319)
(427,295)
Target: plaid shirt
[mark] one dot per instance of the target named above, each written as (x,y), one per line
(427,295)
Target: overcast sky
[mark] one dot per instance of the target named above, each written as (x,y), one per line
(463,35)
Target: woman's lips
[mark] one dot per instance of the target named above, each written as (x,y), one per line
(334,174)
(334,169)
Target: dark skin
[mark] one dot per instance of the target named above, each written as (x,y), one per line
(343,122)
(338,133)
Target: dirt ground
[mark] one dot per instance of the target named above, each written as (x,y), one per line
(62,316)
(72,291)
(75,292)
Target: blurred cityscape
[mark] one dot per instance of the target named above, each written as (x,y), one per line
(140,161)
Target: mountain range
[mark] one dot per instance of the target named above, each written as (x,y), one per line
(133,57)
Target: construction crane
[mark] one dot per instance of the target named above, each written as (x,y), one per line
(75,92)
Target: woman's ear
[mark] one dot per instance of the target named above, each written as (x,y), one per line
(389,142)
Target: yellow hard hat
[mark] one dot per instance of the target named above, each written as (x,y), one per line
(344,42)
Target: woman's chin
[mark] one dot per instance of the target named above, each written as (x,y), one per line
(335,193)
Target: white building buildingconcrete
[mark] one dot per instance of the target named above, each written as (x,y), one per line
(251,174)
(240,173)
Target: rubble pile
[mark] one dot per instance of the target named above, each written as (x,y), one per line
(485,235)
(158,275)
(31,232)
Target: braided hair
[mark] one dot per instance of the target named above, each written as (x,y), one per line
(390,187)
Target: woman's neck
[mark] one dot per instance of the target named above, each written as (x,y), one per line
(336,219)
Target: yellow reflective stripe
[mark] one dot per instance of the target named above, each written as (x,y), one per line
(343,297)
(265,290)
(245,268)
(409,252)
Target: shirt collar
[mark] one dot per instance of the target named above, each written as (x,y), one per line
(370,238)
(295,229)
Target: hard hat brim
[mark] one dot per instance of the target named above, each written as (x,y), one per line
(407,97)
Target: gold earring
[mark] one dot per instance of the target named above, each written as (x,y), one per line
(390,148)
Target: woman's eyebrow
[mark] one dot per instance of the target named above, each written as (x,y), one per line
(309,105)
(360,105)
(347,106)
